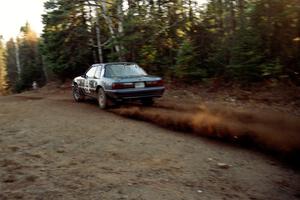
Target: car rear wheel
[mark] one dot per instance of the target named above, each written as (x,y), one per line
(77,94)
(147,101)
(102,99)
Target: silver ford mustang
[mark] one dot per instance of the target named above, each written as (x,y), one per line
(116,82)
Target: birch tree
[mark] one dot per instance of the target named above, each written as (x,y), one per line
(116,33)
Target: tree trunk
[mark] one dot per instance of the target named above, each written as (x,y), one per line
(232,17)
(18,59)
(241,7)
(220,13)
(98,35)
(120,26)
(110,25)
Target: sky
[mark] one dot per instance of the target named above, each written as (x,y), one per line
(15,13)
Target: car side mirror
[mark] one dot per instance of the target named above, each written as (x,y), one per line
(83,76)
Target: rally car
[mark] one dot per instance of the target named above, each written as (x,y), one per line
(117,82)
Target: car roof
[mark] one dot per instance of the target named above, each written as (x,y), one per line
(114,63)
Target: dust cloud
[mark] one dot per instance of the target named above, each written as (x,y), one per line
(271,131)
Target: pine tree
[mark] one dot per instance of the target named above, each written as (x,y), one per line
(3,70)
(11,63)
(66,39)
(234,40)
(30,59)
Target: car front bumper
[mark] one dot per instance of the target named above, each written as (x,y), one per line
(136,93)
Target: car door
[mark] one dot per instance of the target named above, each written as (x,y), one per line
(94,82)
(89,81)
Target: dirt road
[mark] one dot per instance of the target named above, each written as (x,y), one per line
(54,148)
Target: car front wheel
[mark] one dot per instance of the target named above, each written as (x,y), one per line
(77,94)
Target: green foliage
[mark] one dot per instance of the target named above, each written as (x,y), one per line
(187,67)
(24,61)
(30,60)
(11,63)
(238,40)
(253,39)
(66,40)
(271,69)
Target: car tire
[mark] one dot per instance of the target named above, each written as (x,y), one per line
(147,101)
(103,100)
(77,94)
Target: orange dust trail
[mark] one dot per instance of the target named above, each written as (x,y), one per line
(268,131)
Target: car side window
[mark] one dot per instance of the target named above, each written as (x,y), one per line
(102,71)
(91,72)
(98,72)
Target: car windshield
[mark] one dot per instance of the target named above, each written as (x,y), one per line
(123,70)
